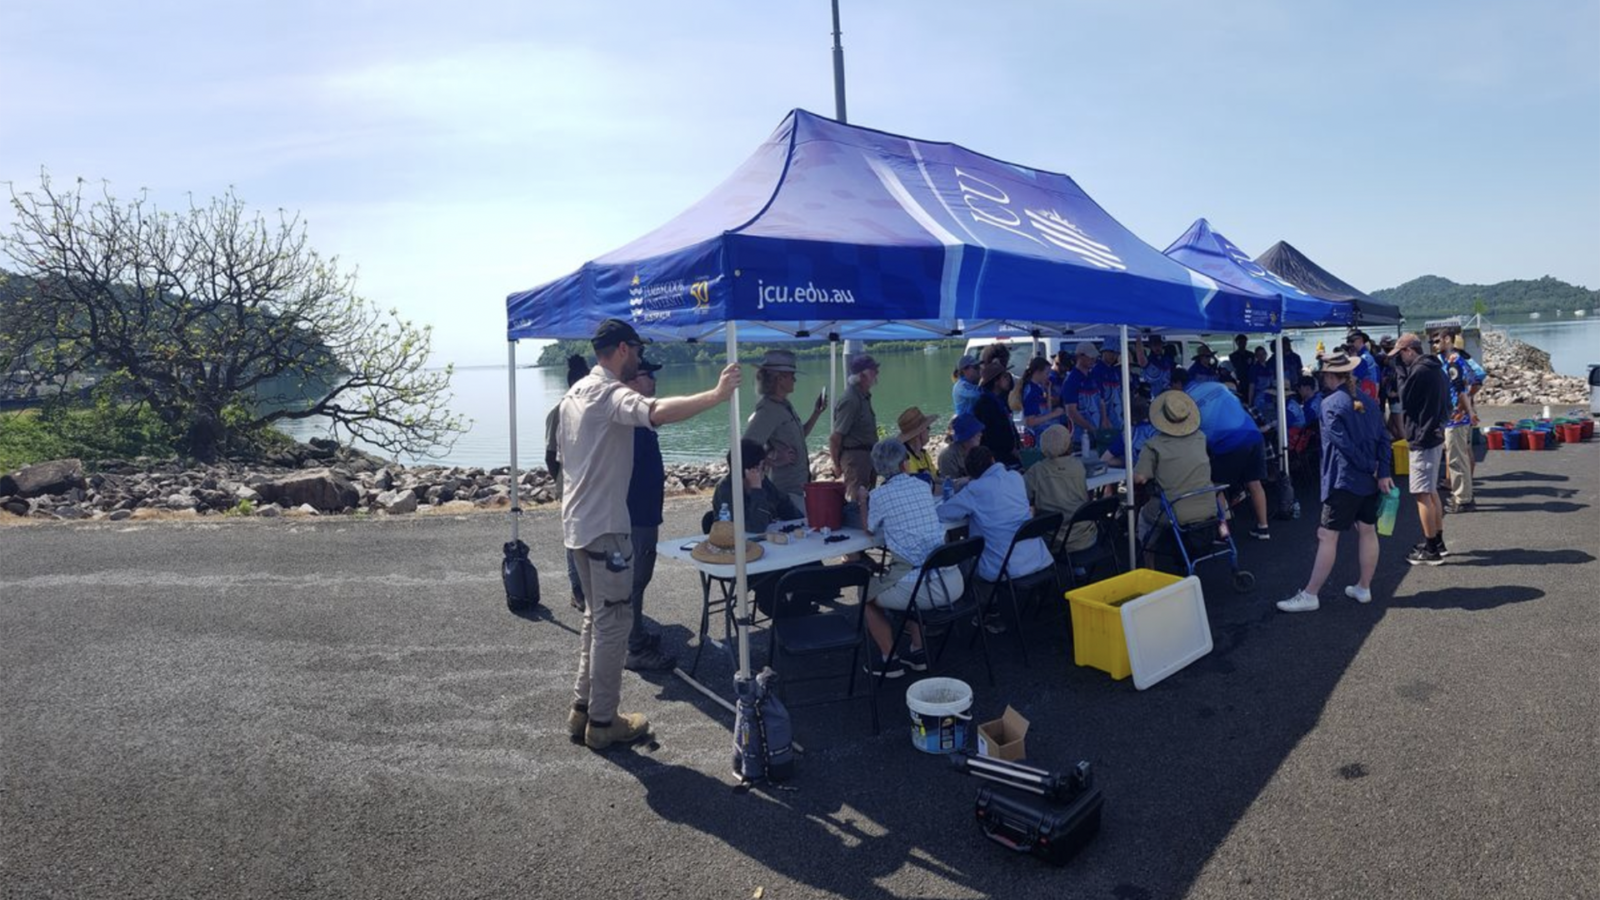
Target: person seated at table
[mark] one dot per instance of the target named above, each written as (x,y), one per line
(1143,431)
(994,411)
(763,502)
(1175,460)
(902,510)
(995,505)
(965,433)
(1057,484)
(913,427)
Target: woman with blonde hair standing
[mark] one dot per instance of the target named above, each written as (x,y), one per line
(1355,473)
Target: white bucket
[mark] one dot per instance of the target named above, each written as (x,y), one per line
(939,714)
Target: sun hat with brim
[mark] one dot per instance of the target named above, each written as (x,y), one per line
(991,370)
(778,361)
(1337,364)
(718,547)
(1175,413)
(913,422)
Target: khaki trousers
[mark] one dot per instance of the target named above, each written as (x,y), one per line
(607,619)
(1458,458)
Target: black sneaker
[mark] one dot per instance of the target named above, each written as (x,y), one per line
(877,666)
(915,660)
(649,659)
(1424,556)
(1261,533)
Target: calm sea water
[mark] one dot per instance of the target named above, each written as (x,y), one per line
(908,379)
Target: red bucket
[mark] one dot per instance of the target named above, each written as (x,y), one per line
(1497,439)
(1533,439)
(1571,434)
(825,504)
(1588,429)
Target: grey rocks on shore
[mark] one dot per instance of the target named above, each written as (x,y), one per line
(1520,373)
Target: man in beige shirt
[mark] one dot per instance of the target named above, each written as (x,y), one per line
(598,416)
(855,428)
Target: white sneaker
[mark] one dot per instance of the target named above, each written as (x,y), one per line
(1301,602)
(1358,593)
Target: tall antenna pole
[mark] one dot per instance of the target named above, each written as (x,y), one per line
(838,68)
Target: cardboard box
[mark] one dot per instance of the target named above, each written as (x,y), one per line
(1004,738)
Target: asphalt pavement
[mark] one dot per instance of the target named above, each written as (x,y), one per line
(343,707)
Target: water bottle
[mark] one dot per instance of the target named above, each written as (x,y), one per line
(724,514)
(1387,510)
(1294,511)
(1085,435)
(949,490)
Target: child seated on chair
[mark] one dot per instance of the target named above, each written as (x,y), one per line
(902,510)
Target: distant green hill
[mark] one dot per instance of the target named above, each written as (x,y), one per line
(1431,296)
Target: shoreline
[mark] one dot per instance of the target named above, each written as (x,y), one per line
(324,478)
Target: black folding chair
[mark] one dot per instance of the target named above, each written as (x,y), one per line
(1037,528)
(799,630)
(1102,514)
(940,612)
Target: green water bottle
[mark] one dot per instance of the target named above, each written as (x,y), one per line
(1387,510)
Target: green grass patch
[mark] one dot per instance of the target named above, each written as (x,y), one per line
(85,432)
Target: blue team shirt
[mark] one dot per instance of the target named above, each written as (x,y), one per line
(1035,402)
(1223,419)
(1158,371)
(1083,389)
(1142,432)
(1356,449)
(1110,381)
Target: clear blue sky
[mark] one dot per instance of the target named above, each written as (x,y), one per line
(457,152)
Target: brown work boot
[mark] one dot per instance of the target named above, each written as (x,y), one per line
(624,729)
(577,722)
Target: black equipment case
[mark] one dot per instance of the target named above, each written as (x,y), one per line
(1037,812)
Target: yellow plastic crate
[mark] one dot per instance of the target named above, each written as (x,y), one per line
(1402,458)
(1097,638)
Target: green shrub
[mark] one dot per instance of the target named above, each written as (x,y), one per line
(86,432)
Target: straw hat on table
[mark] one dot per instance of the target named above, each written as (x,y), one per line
(718,547)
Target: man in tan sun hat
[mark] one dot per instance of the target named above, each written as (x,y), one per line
(913,425)
(1175,459)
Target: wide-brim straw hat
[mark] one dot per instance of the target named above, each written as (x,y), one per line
(1174,412)
(1337,363)
(913,422)
(718,547)
(991,370)
(778,361)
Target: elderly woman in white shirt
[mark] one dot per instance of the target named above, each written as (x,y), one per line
(902,509)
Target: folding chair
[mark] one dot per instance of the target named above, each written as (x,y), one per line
(963,555)
(1037,528)
(1102,514)
(798,630)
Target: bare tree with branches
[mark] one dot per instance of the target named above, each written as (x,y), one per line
(220,320)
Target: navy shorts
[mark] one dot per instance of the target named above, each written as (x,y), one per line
(1343,509)
(1241,466)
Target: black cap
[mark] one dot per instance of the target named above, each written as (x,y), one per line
(646,365)
(613,332)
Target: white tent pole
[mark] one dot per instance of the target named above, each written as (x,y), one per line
(736,477)
(1283,406)
(1127,448)
(511,391)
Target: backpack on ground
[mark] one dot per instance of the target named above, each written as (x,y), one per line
(521,578)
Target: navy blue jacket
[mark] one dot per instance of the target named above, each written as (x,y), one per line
(1356,451)
(647,488)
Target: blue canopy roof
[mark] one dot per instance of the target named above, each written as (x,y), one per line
(837,228)
(1208,251)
